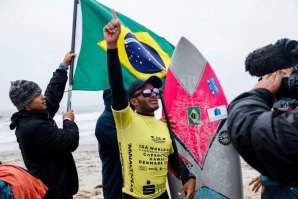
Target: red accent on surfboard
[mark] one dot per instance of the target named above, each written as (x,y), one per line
(197,138)
(185,162)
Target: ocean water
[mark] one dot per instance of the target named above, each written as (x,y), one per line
(85,117)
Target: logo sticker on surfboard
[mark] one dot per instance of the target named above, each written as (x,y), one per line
(212,85)
(217,113)
(194,115)
(224,138)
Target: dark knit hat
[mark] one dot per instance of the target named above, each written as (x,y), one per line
(268,59)
(139,83)
(23,92)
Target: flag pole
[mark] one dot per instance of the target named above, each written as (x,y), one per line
(74,23)
(178,159)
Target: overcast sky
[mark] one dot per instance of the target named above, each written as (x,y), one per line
(35,34)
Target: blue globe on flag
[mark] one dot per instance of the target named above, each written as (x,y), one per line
(141,56)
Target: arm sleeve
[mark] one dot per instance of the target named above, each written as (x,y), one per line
(266,141)
(52,139)
(180,170)
(55,91)
(119,97)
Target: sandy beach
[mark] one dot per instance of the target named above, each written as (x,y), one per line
(89,169)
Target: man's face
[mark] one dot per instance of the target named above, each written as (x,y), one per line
(38,104)
(144,104)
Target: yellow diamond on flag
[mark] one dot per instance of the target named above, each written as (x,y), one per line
(140,54)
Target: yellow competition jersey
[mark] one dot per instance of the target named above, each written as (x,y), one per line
(144,145)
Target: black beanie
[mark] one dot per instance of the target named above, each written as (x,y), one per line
(268,59)
(23,92)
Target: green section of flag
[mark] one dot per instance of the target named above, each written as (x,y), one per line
(91,68)
(194,115)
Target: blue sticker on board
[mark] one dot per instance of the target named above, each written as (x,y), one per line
(217,113)
(212,85)
(206,192)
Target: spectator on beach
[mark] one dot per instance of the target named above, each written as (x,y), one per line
(106,135)
(263,123)
(144,142)
(46,149)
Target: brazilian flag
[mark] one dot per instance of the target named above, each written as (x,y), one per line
(142,53)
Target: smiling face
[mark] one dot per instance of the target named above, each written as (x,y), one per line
(38,104)
(146,105)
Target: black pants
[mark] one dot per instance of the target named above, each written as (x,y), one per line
(162,196)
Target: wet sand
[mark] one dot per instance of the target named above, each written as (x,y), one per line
(89,170)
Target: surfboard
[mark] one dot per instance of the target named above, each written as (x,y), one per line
(196,101)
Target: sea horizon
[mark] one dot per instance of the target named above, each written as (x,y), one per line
(85,117)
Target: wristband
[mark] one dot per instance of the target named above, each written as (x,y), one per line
(61,66)
(191,176)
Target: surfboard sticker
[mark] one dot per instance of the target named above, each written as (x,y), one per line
(224,138)
(194,115)
(196,102)
(212,86)
(217,113)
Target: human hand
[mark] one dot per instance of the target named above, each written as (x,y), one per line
(67,58)
(112,31)
(270,82)
(69,115)
(189,188)
(172,122)
(256,182)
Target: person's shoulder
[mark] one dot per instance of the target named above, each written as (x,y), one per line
(106,117)
(126,110)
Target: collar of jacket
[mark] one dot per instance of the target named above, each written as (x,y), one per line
(16,117)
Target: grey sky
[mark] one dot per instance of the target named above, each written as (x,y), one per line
(35,35)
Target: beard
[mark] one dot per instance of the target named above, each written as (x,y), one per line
(147,107)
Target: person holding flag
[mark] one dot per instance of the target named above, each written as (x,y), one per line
(46,149)
(144,142)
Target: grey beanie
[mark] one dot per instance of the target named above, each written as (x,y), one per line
(23,92)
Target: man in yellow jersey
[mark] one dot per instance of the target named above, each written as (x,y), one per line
(144,142)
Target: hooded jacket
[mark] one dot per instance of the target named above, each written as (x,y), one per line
(46,149)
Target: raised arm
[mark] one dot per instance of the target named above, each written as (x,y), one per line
(56,87)
(111,34)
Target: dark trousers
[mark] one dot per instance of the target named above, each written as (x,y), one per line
(162,196)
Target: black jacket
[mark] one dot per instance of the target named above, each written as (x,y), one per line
(266,141)
(45,148)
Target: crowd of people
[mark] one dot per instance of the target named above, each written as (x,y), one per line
(262,125)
